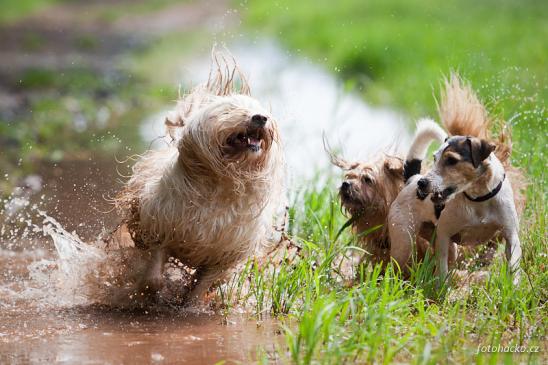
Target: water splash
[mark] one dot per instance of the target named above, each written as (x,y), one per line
(71,249)
(78,272)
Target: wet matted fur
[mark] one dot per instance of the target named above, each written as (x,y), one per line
(209,199)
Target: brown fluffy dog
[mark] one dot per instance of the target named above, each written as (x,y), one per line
(210,197)
(366,193)
(369,188)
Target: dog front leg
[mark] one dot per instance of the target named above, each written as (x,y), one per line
(513,254)
(402,232)
(442,256)
(153,278)
(205,278)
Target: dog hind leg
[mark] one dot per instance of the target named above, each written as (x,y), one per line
(204,279)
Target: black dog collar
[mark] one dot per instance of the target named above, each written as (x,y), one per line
(489,195)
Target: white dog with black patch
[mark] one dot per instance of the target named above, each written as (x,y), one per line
(467,193)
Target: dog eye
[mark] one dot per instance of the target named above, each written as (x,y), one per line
(366,179)
(450,161)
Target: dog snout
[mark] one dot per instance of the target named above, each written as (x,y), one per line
(422,188)
(345,186)
(259,120)
(422,183)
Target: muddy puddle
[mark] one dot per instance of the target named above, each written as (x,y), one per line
(46,318)
(96,335)
(41,322)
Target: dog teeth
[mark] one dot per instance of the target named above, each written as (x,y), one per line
(253,140)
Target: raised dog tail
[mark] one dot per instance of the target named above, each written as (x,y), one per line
(427,131)
(463,114)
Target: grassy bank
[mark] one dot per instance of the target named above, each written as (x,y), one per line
(384,319)
(395,53)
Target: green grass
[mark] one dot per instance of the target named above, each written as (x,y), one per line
(382,318)
(407,45)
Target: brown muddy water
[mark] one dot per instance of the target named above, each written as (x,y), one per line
(97,335)
(43,317)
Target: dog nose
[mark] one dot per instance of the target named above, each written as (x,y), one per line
(259,120)
(422,183)
(345,186)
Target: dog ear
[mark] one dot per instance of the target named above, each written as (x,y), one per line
(393,166)
(340,162)
(335,160)
(480,149)
(174,119)
(172,122)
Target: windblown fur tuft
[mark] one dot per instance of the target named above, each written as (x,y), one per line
(463,114)
(460,110)
(225,78)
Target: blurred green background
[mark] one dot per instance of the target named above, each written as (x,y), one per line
(78,76)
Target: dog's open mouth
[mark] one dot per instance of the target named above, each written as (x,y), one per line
(251,139)
(351,204)
(347,198)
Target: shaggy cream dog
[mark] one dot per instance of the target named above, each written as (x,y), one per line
(209,199)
